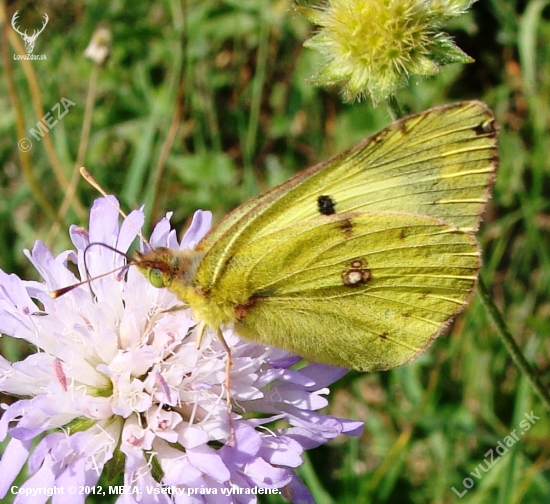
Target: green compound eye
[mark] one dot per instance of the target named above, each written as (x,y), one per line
(156,278)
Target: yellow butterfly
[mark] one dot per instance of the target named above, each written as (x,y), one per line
(360,261)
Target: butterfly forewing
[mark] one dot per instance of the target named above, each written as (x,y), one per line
(440,163)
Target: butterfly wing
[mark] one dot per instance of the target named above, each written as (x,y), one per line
(367,290)
(440,163)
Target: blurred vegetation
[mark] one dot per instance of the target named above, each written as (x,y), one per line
(206,104)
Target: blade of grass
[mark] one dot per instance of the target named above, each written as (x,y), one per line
(511,345)
(35,188)
(38,106)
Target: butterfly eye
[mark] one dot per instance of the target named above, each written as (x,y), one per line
(156,278)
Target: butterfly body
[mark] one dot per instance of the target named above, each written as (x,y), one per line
(360,261)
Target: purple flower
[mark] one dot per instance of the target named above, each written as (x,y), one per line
(118,385)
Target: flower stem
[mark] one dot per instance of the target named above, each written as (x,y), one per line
(82,148)
(511,345)
(394,109)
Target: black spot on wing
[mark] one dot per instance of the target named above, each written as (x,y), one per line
(486,128)
(326,205)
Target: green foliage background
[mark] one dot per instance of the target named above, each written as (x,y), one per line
(220,86)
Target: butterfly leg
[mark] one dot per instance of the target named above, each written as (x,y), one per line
(201,331)
(228,365)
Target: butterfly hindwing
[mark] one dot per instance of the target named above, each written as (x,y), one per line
(362,290)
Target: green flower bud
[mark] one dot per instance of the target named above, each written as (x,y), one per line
(371,47)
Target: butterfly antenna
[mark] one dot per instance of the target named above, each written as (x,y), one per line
(59,292)
(87,176)
(112,249)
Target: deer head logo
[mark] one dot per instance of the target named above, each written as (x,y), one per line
(29,39)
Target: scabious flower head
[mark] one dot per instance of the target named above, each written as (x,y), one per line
(370,47)
(117,385)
